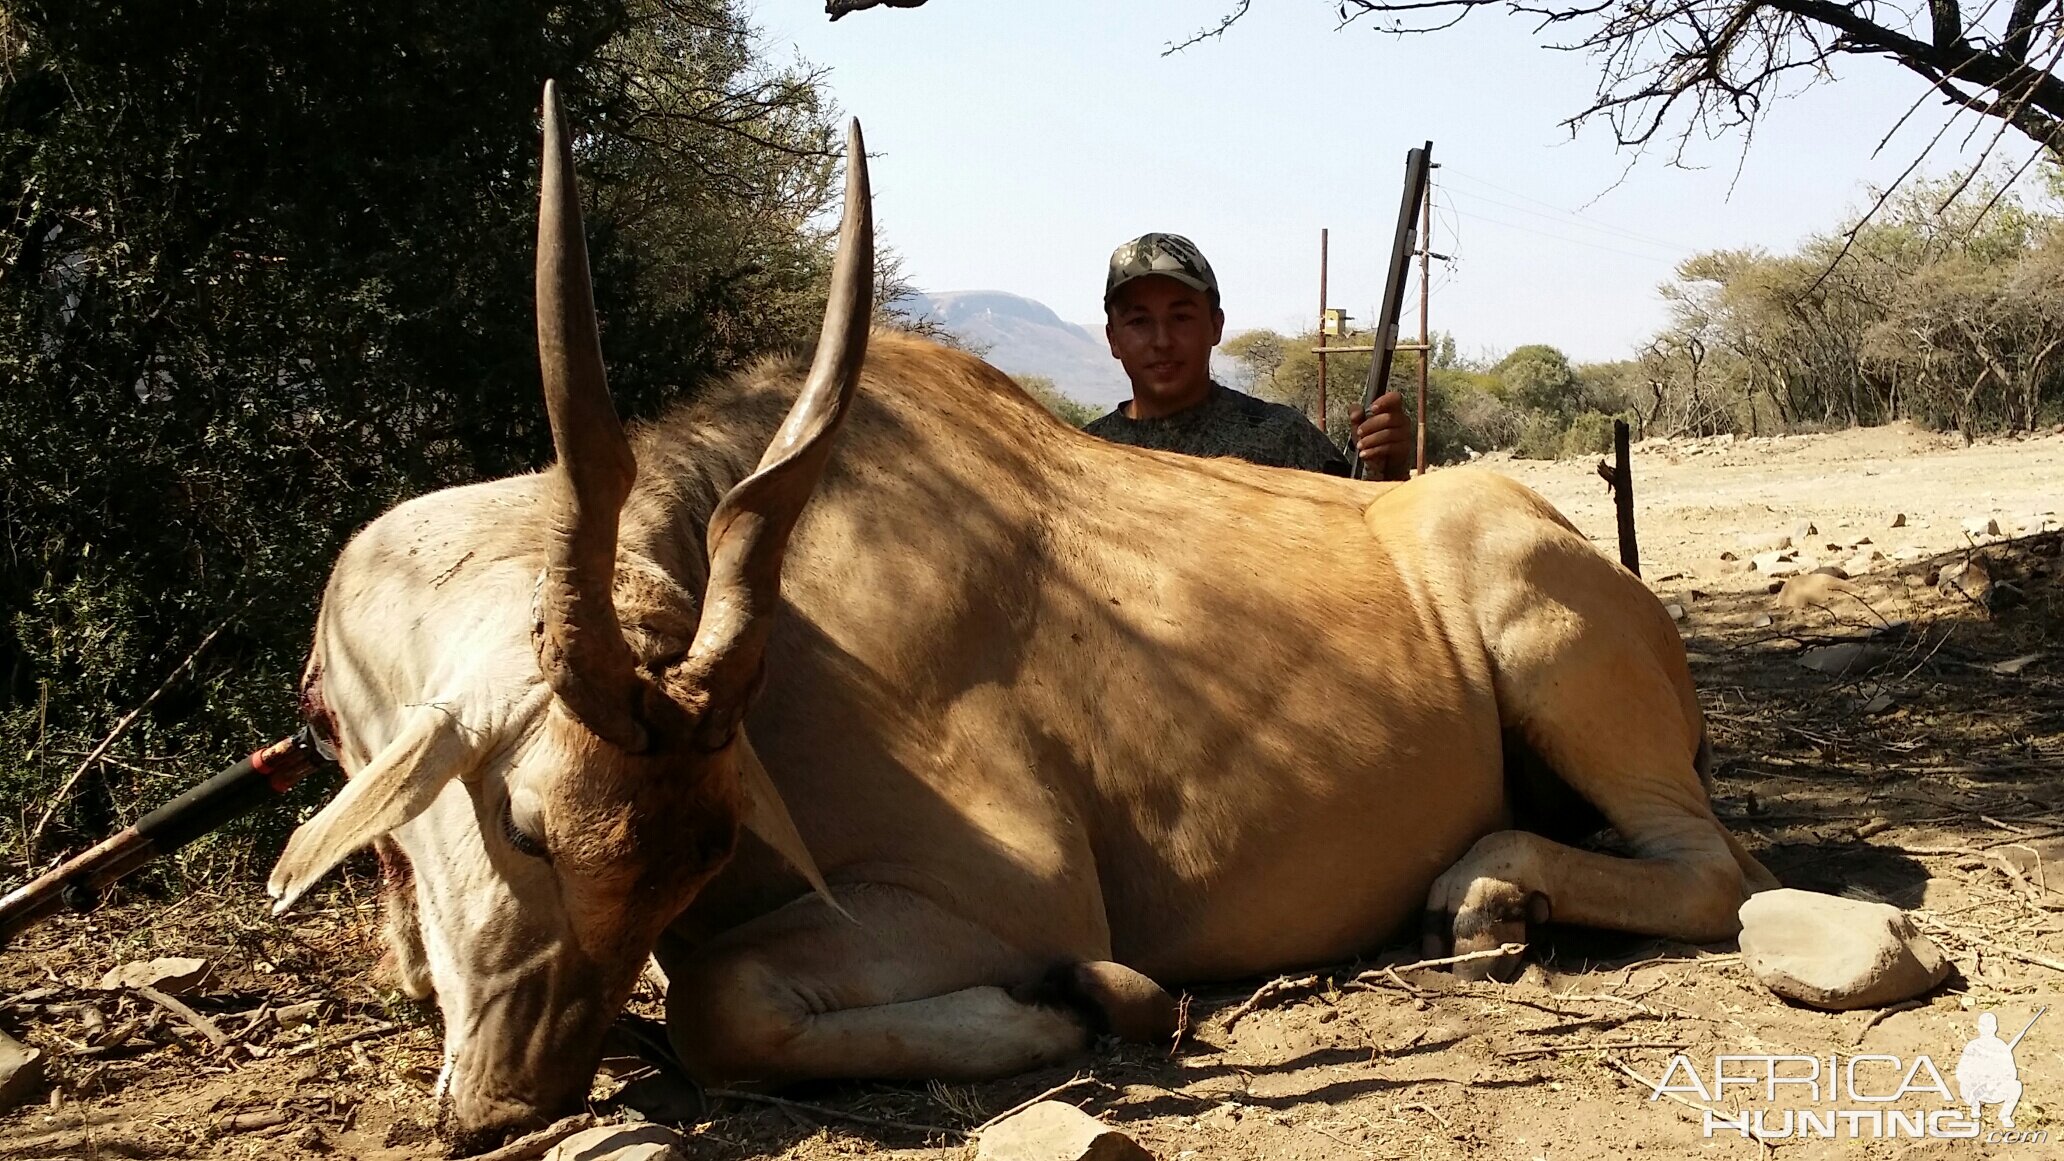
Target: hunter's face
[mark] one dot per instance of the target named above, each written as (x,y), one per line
(1162,332)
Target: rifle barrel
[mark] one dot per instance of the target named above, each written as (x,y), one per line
(79,882)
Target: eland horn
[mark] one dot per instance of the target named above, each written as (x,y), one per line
(580,646)
(748,532)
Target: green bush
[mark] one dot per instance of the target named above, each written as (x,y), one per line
(1485,421)
(1540,438)
(1589,434)
(1065,408)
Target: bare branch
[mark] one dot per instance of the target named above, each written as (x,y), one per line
(1687,70)
(1204,34)
(838,8)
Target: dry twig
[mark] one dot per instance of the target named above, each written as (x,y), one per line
(827,1112)
(1392,973)
(372,1033)
(1656,1088)
(1021,1106)
(1559,1049)
(532,1146)
(1284,984)
(1990,945)
(253,1122)
(1881,1015)
(89,1142)
(1270,991)
(194,1020)
(1429,1111)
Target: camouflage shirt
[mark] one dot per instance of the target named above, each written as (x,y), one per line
(1229,423)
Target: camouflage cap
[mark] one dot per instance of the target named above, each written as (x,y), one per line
(1169,255)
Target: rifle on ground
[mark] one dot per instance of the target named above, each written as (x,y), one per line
(79,883)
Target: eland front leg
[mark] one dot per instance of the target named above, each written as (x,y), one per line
(902,990)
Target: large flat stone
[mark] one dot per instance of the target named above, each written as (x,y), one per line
(622,1143)
(172,975)
(1052,1131)
(1845,658)
(21,1072)
(1836,953)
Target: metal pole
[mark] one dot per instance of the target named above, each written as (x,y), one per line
(1425,293)
(1324,340)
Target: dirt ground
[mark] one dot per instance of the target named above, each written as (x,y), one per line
(1924,777)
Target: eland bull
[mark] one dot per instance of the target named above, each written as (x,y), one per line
(927,758)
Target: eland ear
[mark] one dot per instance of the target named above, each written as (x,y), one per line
(766,815)
(399,784)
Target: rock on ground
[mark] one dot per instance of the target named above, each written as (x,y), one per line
(1836,953)
(1972,578)
(622,1143)
(1782,562)
(1814,590)
(21,1072)
(2012,667)
(1845,657)
(174,976)
(1052,1131)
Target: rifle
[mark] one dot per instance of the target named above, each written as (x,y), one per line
(1417,163)
(79,882)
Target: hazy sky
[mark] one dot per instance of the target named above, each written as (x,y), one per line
(1017,142)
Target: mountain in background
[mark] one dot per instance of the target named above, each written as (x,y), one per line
(1023,337)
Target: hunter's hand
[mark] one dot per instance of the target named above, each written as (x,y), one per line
(1383,437)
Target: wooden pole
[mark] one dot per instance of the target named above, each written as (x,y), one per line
(1623,496)
(1425,294)
(1324,339)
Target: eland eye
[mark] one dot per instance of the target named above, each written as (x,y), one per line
(523,840)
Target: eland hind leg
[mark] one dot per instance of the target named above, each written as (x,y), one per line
(1591,677)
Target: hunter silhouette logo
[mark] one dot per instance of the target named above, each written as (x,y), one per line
(1986,1073)
(1869,1095)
